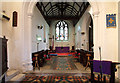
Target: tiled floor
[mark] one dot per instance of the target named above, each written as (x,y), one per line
(47,69)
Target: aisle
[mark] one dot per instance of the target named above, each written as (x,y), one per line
(63,63)
(59,70)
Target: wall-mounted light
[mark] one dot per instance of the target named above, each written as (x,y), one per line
(39,38)
(74,34)
(90,26)
(40,26)
(4,16)
(82,33)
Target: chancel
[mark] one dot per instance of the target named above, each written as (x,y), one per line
(71,41)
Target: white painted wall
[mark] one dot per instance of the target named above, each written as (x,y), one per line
(0,19)
(0,28)
(82,41)
(107,37)
(21,38)
(0,41)
(119,38)
(70,42)
(13,34)
(37,19)
(103,37)
(78,36)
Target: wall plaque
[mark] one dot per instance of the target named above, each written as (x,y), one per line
(14,19)
(111,20)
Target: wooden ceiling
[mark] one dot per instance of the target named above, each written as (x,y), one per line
(62,10)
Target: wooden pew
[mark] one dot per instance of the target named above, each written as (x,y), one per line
(83,58)
(103,67)
(35,60)
(38,59)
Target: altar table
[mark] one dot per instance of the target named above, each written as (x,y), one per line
(62,49)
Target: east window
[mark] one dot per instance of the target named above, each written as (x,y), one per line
(61,31)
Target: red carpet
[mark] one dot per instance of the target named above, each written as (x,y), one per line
(64,54)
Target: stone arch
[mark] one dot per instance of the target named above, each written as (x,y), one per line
(31,7)
(28,7)
(89,20)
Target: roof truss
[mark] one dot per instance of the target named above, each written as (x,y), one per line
(62,10)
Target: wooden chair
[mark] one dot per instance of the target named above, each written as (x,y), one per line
(36,61)
(88,60)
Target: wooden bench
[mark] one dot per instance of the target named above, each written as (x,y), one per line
(103,68)
(38,59)
(82,56)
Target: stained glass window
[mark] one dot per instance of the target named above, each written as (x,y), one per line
(61,30)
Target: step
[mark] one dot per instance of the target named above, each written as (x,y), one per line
(17,78)
(10,74)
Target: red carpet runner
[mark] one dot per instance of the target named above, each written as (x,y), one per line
(63,54)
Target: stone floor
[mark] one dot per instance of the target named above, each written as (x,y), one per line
(47,69)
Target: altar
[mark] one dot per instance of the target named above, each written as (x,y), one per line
(62,49)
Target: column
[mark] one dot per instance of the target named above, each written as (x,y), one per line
(27,65)
(96,36)
(119,38)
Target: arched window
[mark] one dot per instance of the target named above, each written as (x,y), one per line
(61,30)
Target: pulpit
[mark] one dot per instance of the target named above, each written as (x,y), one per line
(103,67)
(3,58)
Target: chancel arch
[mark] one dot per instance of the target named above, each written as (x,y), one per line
(69,28)
(27,18)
